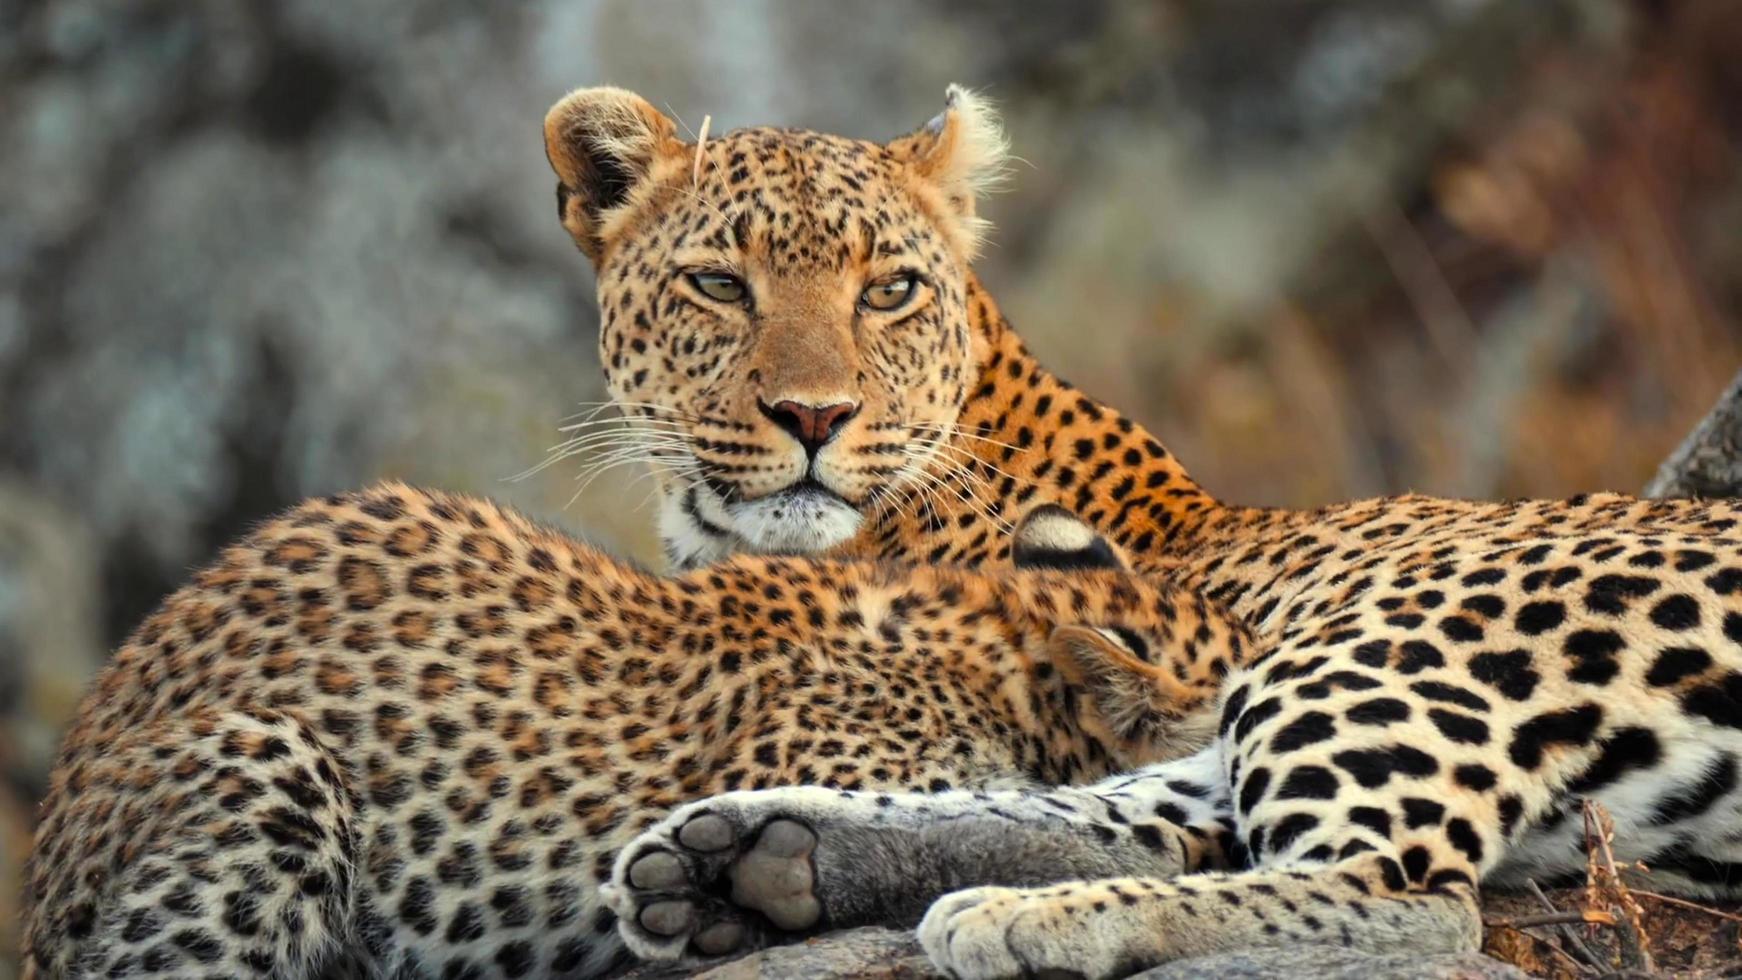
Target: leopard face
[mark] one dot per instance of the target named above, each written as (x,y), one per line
(784,315)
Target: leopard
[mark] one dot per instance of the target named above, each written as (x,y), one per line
(404,733)
(1441,683)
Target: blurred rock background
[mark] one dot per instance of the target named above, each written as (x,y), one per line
(251,251)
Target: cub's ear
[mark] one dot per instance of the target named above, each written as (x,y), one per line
(1049,536)
(961,152)
(603,143)
(1140,702)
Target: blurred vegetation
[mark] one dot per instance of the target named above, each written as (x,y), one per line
(1325,248)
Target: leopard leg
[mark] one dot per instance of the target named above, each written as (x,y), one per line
(1118,926)
(745,869)
(229,853)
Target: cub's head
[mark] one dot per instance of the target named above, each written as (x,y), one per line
(1150,657)
(783,313)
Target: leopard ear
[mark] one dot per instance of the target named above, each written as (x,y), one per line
(962,152)
(604,144)
(1139,701)
(1051,537)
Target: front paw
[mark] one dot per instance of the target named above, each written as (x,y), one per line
(993,933)
(715,877)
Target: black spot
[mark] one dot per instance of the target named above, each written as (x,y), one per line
(1350,680)
(1571,726)
(1231,708)
(1450,694)
(1254,716)
(1310,728)
(1682,857)
(1419,655)
(1688,802)
(1540,617)
(198,944)
(1459,728)
(467,924)
(1725,581)
(1474,775)
(515,958)
(1192,790)
(1510,673)
(1610,593)
(1490,606)
(1289,829)
(1252,790)
(1628,748)
(1308,783)
(1415,863)
(1392,873)
(1461,629)
(1465,838)
(1418,812)
(1373,653)
(1677,612)
(1511,810)
(1593,644)
(1675,663)
(1378,711)
(1374,767)
(1372,818)
(1719,702)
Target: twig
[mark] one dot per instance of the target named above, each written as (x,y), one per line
(1604,886)
(1580,950)
(1684,903)
(1589,916)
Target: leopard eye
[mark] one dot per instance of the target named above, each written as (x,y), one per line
(719,286)
(889,294)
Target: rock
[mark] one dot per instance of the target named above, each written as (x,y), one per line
(876,954)
(1333,963)
(862,954)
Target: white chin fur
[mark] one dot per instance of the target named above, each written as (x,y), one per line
(705,530)
(801,524)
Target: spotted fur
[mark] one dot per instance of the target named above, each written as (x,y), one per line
(404,734)
(1441,681)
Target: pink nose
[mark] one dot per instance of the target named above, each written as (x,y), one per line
(811,425)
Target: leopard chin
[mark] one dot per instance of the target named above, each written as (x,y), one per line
(698,528)
(800,521)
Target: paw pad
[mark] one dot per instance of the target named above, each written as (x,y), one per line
(775,878)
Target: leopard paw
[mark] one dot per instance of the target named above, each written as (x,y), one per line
(1044,933)
(713,879)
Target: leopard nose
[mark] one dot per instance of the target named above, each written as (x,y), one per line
(811,425)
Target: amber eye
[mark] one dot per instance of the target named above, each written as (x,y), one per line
(889,294)
(719,286)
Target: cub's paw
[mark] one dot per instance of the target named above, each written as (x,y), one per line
(716,877)
(1044,933)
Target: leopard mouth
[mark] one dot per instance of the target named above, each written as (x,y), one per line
(804,518)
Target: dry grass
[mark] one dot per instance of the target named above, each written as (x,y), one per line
(1613,925)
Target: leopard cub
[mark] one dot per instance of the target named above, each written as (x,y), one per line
(404,733)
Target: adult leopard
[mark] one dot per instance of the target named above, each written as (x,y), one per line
(1441,681)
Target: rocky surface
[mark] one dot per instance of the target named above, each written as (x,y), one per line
(886,954)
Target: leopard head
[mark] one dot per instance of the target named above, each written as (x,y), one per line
(784,314)
(1152,663)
